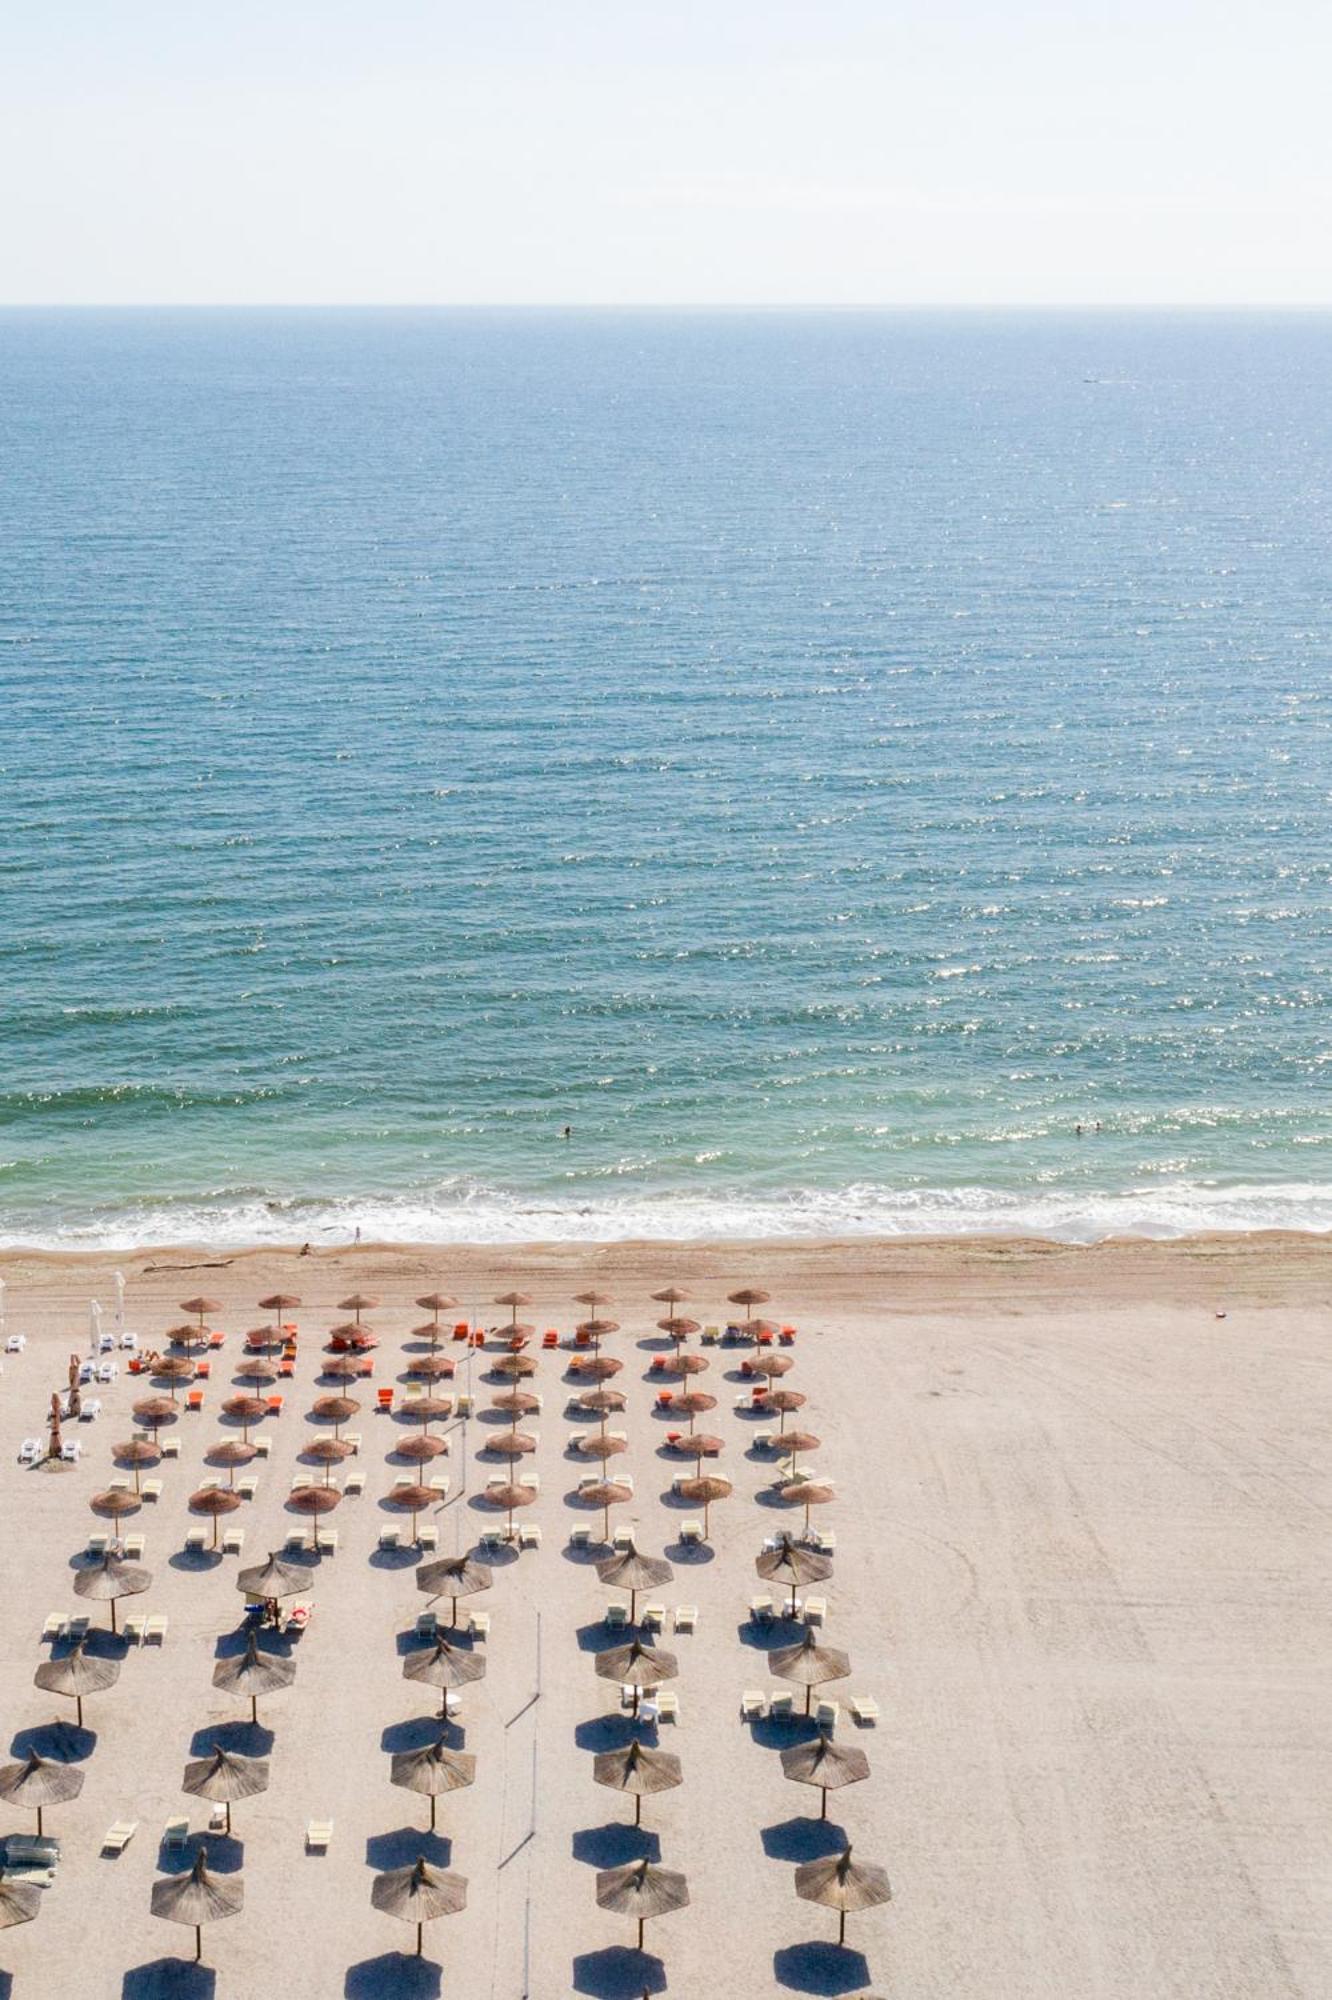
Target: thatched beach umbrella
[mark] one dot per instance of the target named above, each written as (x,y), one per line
(670,1295)
(791,1563)
(335,1410)
(682,1363)
(597,1329)
(702,1489)
(514,1367)
(602,1446)
(515,1403)
(254,1672)
(155,1410)
(692,1403)
(328,1452)
(679,1329)
(411,1499)
(136,1453)
(593,1299)
(454,1577)
(116,1502)
(514,1494)
(629,1570)
(793,1444)
(214,1501)
(772,1365)
(749,1296)
(108,1578)
(19,1903)
(201,1307)
(826,1764)
(434,1303)
(419,1894)
(223,1776)
(638,1770)
(808,1493)
(601,1401)
(595,1367)
(277,1576)
(513,1300)
(433,1770)
(641,1889)
(189,1335)
(420,1448)
(356,1331)
(77,1673)
(426,1409)
(231,1452)
(173,1368)
(280,1302)
(358,1303)
(198,1898)
(699,1444)
(810,1664)
(254,1368)
(38,1782)
(341,1368)
(430,1367)
(841,1884)
(314,1501)
(444,1665)
(637,1665)
(245,1410)
(511,1444)
(784,1401)
(606,1493)
(260,1337)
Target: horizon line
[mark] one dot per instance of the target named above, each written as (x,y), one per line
(673,305)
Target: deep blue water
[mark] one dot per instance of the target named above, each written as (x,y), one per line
(820,758)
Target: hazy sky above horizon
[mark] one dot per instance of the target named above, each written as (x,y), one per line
(734,152)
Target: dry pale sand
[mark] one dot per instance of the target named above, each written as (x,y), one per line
(1083,1564)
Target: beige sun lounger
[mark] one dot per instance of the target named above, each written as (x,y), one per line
(155,1627)
(865,1710)
(175,1835)
(233,1541)
(171,1447)
(151,1489)
(816,1610)
(654,1617)
(686,1617)
(529,1535)
(247,1487)
(119,1835)
(826,1714)
(134,1547)
(354,1483)
(752,1704)
(318,1836)
(478,1624)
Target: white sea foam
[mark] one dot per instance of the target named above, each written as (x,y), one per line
(487,1215)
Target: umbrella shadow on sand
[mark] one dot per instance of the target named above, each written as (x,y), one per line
(418,1731)
(404,1558)
(770,1635)
(194,1561)
(224,1853)
(779,1732)
(820,1968)
(606,1732)
(396,1975)
(169,1979)
(690,1552)
(242,1739)
(615,1843)
(400,1848)
(59,1742)
(619,1973)
(802,1839)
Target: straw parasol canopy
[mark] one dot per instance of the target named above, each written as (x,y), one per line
(784,1401)
(771,1365)
(430,1367)
(444,1665)
(790,1563)
(679,1329)
(749,1296)
(411,1500)
(594,1299)
(231,1452)
(155,1410)
(77,1673)
(38,1782)
(433,1770)
(419,1894)
(670,1295)
(341,1368)
(514,1494)
(328,1452)
(358,1303)
(201,1307)
(314,1501)
(597,1329)
(436,1303)
(454,1577)
(638,1770)
(254,1672)
(809,1663)
(841,1884)
(692,1403)
(514,1366)
(116,1500)
(809,1493)
(427,1409)
(280,1302)
(335,1410)
(629,1570)
(354,1330)
(826,1764)
(684,1364)
(245,1410)
(791,1444)
(511,1444)
(513,1299)
(136,1453)
(223,1776)
(702,1489)
(516,1402)
(19,1903)
(606,1493)
(638,1666)
(109,1578)
(601,1401)
(641,1889)
(420,1448)
(265,1336)
(254,1368)
(277,1577)
(699,1444)
(174,1368)
(602,1446)
(214,1501)
(598,1367)
(187,1336)
(198,1898)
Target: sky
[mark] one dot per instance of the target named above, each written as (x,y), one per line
(851,152)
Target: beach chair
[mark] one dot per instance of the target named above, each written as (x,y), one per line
(274,1405)
(203,1370)
(550,1338)
(209,1485)
(133,1628)
(426,1623)
(134,1547)
(465,1405)
(781,1703)
(478,1624)
(171,1447)
(195,1542)
(97,1544)
(54,1627)
(263,1446)
(826,1714)
(119,1835)
(318,1836)
(492,1540)
(761,1610)
(233,1541)
(529,1535)
(668,1706)
(615,1617)
(390,1538)
(428,1539)
(328,1541)
(299,1481)
(665,1397)
(686,1617)
(691,1533)
(711,1335)
(215,1341)
(353,1438)
(825,1541)
(580,1537)
(194,1400)
(77,1628)
(788,1336)
(816,1610)
(412,1392)
(622,1538)
(654,1617)
(248,1486)
(286,1369)
(296,1543)
(658,1363)
(461,1330)
(762,1440)
(752,1704)
(865,1710)
(151,1489)
(176,1835)
(578,1440)
(354,1483)
(440,1483)
(384,1399)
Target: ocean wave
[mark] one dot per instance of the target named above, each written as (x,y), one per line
(473,1214)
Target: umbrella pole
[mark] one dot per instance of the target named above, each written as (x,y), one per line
(39,1822)
(228,1815)
(841,1927)
(198,1942)
(254,1708)
(638,1808)
(420,1930)
(640,1934)
(79,1709)
(823,1814)
(809,1692)
(113,1614)
(432,1812)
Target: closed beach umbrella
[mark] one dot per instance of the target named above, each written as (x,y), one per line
(314,1501)
(638,1770)
(841,1884)
(433,1770)
(704,1488)
(328,1452)
(454,1577)
(444,1665)
(692,1403)
(254,1672)
(419,1894)
(411,1499)
(198,1898)
(749,1296)
(136,1453)
(810,1664)
(637,1666)
(601,1401)
(771,1365)
(699,1444)
(511,1444)
(223,1776)
(641,1890)
(245,1410)
(513,1495)
(683,1364)
(603,1446)
(629,1570)
(793,1444)
(808,1493)
(201,1307)
(430,1367)
(792,1564)
(110,1578)
(116,1502)
(598,1367)
(77,1673)
(784,1401)
(19,1903)
(38,1782)
(278,1576)
(232,1452)
(420,1449)
(514,1366)
(214,1501)
(826,1764)
(606,1493)
(154,1410)
(358,1303)
(335,1410)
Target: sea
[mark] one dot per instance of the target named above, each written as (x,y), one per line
(494,776)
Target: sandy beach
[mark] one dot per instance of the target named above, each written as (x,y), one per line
(1084,1498)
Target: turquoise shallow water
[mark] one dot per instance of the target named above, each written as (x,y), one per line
(821,759)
